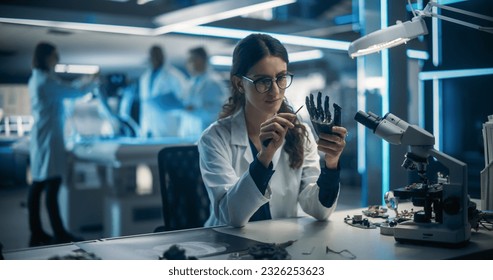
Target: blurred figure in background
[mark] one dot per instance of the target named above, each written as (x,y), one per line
(161,90)
(47,147)
(207,93)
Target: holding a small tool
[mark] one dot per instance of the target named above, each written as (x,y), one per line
(258,160)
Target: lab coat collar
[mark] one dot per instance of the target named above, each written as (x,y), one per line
(239,137)
(238,129)
(41,74)
(161,69)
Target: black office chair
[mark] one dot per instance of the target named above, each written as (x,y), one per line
(184,197)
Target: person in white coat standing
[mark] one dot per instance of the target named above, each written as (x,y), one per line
(47,147)
(207,92)
(161,89)
(248,178)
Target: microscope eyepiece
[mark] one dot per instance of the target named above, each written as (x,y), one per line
(370,120)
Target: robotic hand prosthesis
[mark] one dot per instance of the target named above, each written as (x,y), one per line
(320,116)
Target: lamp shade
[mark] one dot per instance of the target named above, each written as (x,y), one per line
(389,37)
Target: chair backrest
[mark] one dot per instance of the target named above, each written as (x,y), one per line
(184,197)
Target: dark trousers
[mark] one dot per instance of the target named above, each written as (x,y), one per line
(51,186)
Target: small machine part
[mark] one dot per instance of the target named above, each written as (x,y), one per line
(444,217)
(406,214)
(76,255)
(357,218)
(268,252)
(480,218)
(264,251)
(175,253)
(320,115)
(359,222)
(345,253)
(376,211)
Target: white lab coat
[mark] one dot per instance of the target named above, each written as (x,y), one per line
(161,106)
(206,95)
(47,146)
(225,157)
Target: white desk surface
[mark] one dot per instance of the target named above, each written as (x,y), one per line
(366,244)
(125,151)
(311,237)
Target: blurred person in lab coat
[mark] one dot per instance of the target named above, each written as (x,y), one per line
(247,181)
(161,89)
(47,147)
(207,92)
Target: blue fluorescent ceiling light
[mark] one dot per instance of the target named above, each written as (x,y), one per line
(165,23)
(119,29)
(223,60)
(287,39)
(211,12)
(305,56)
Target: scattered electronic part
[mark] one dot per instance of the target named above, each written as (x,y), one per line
(345,253)
(76,255)
(358,221)
(268,252)
(175,253)
(376,211)
(264,251)
(480,218)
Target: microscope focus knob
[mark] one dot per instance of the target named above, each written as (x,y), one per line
(451,205)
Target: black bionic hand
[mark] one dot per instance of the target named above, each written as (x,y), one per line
(320,116)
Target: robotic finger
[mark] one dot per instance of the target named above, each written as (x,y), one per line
(320,115)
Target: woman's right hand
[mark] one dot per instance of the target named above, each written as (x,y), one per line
(272,133)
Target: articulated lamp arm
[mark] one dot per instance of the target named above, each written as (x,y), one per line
(402,32)
(428,12)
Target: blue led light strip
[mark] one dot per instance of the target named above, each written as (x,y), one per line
(459,73)
(385,102)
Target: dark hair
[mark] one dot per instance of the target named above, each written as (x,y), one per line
(249,51)
(199,52)
(42,51)
(156,48)
(157,55)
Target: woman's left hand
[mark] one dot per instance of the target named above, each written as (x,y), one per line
(332,145)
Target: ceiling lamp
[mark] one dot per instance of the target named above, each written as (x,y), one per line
(211,12)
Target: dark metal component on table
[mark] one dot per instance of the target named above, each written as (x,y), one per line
(76,255)
(175,253)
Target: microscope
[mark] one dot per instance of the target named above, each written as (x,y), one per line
(444,218)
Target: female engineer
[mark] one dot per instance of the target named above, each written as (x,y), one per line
(247,181)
